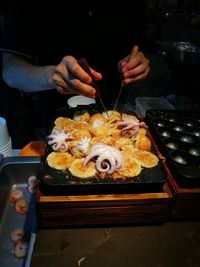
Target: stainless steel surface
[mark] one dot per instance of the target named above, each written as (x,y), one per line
(14,172)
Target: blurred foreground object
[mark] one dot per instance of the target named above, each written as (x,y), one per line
(34,148)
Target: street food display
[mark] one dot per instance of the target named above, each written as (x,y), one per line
(94,148)
(110,145)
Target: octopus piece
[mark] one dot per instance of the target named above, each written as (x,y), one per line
(20,206)
(17,234)
(80,148)
(109,159)
(33,184)
(59,140)
(15,195)
(130,123)
(21,249)
(83,144)
(33,180)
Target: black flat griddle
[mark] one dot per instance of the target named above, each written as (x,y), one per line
(55,182)
(177,134)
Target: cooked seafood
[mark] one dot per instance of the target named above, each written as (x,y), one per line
(17,234)
(109,159)
(15,195)
(59,140)
(33,183)
(20,249)
(113,145)
(32,180)
(20,206)
(130,123)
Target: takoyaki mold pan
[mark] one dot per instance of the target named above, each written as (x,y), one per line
(177,134)
(55,182)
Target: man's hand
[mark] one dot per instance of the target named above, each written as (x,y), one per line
(70,78)
(134,69)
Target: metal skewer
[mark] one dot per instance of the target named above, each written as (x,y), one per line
(84,64)
(132,55)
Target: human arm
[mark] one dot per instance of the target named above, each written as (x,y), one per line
(19,73)
(67,77)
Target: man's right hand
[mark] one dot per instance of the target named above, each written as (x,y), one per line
(70,78)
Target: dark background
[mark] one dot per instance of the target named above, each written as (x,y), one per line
(167,20)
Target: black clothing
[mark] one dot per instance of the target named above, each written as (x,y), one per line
(103,33)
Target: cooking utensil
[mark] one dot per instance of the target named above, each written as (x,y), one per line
(177,135)
(132,55)
(84,64)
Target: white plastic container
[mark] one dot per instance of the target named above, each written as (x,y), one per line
(146,103)
(80,100)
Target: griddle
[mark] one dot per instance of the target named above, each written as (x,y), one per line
(55,182)
(177,134)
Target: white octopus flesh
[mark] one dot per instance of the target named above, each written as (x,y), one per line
(131,123)
(83,144)
(59,140)
(109,159)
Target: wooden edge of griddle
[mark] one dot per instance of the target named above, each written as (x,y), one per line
(107,199)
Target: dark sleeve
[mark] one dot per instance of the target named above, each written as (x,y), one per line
(17,37)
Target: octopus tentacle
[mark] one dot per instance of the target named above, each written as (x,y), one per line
(108,160)
(59,140)
(133,124)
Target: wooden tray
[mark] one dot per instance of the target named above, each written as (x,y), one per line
(185,204)
(97,210)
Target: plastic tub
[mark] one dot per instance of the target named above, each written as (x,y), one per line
(146,103)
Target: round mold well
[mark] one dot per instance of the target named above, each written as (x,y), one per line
(195,151)
(179,128)
(189,123)
(165,133)
(172,119)
(187,139)
(195,133)
(158,122)
(171,145)
(180,158)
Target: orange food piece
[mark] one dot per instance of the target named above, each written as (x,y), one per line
(34,148)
